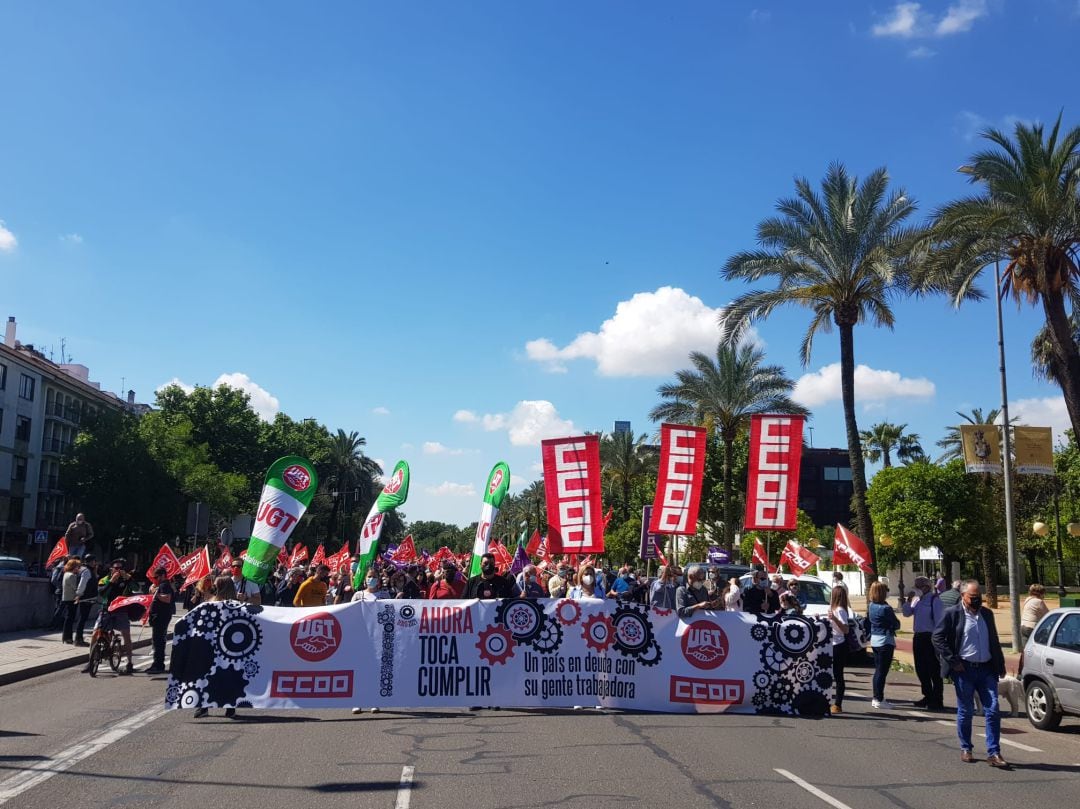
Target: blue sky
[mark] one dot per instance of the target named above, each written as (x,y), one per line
(460,227)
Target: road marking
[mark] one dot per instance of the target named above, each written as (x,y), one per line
(1025,747)
(404,792)
(42,771)
(813,790)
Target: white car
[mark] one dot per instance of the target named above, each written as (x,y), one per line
(814,596)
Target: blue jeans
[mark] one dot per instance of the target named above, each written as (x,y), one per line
(981,679)
(883,656)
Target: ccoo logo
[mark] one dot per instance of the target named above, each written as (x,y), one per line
(315,637)
(296,477)
(705,645)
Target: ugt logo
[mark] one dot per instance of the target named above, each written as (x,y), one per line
(315,637)
(705,645)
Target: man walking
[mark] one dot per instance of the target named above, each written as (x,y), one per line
(925,605)
(967,642)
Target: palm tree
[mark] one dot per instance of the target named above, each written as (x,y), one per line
(882,439)
(1028,215)
(723,393)
(625,460)
(349,468)
(844,254)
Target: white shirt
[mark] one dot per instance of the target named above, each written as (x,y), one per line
(842,617)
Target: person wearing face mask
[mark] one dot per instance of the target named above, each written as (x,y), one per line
(449,584)
(312,593)
(372,590)
(585,585)
(966,641)
(693,597)
(532,587)
(663,589)
(489,584)
(925,605)
(759,597)
(622,584)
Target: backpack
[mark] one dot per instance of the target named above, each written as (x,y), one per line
(57,577)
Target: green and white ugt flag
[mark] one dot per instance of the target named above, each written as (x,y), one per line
(393,495)
(287,492)
(497,484)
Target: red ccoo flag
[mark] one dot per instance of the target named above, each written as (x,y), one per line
(320,556)
(165,558)
(299,555)
(760,557)
(199,569)
(798,558)
(59,551)
(339,561)
(848,549)
(533,546)
(406,551)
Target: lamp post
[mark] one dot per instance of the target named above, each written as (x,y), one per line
(1041,529)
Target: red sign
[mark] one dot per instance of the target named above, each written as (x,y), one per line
(224,561)
(848,549)
(705,645)
(798,558)
(678,486)
(572,486)
(165,558)
(315,637)
(311,684)
(773,480)
(296,477)
(698,691)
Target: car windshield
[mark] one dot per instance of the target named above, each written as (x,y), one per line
(815,592)
(14,565)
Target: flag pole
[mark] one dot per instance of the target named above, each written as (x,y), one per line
(1006,459)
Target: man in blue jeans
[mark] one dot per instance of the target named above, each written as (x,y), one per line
(966,642)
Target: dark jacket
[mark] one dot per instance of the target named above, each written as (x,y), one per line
(949,636)
(758,600)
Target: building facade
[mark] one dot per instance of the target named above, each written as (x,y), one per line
(825,486)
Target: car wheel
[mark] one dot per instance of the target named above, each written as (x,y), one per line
(1042,708)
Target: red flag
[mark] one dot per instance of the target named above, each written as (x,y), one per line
(406,551)
(760,557)
(299,555)
(320,556)
(188,562)
(659,552)
(503,559)
(680,479)
(799,559)
(283,556)
(572,488)
(608,516)
(224,562)
(131,604)
(59,551)
(533,546)
(199,569)
(165,558)
(849,549)
(340,560)
(772,492)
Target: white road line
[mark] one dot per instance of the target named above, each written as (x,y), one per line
(1025,747)
(404,792)
(42,771)
(813,790)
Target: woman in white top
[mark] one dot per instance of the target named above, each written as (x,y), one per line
(839,615)
(371,591)
(585,585)
(733,595)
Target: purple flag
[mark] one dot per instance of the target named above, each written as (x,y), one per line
(521,559)
(649,542)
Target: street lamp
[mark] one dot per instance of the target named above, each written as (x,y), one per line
(1041,529)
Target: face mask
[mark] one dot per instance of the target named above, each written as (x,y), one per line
(587,580)
(372,583)
(532,579)
(697,585)
(975,602)
(487,567)
(774,586)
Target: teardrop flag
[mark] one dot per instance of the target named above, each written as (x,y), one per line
(393,495)
(290,485)
(498,483)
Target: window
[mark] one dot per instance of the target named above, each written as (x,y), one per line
(3,377)
(15,511)
(22,428)
(1042,634)
(830,473)
(26,387)
(1068,634)
(843,473)
(18,468)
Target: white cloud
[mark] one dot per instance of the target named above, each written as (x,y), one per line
(650,335)
(902,22)
(383,478)
(921,52)
(465,417)
(1049,411)
(71,238)
(871,385)
(528,423)
(435,448)
(381,411)
(760,15)
(262,402)
(517,481)
(8,242)
(538,468)
(175,381)
(960,17)
(449,489)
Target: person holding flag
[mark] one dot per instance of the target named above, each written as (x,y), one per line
(115,585)
(161,614)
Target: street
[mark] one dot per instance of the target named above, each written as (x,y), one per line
(72,740)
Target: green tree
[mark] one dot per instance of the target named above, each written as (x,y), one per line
(626,461)
(952,442)
(881,440)
(845,254)
(1027,214)
(723,392)
(350,472)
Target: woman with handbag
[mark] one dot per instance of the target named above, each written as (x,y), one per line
(839,616)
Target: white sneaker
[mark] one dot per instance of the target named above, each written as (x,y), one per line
(881,704)
(357,710)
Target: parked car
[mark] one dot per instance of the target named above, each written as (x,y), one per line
(13,566)
(1050,668)
(816,597)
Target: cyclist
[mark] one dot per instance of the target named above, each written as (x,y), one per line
(110,587)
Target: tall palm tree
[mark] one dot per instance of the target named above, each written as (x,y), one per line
(881,440)
(349,468)
(844,254)
(723,393)
(625,460)
(1028,215)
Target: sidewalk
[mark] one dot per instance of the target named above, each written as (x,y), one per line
(39,651)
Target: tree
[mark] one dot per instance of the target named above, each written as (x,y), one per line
(881,440)
(350,472)
(1028,215)
(625,461)
(724,392)
(844,254)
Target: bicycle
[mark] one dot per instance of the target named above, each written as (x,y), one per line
(108,646)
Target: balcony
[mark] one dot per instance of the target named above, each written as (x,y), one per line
(57,410)
(55,446)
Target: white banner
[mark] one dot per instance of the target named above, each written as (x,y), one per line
(515,653)
(277,516)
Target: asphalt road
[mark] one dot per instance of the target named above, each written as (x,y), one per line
(68,740)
